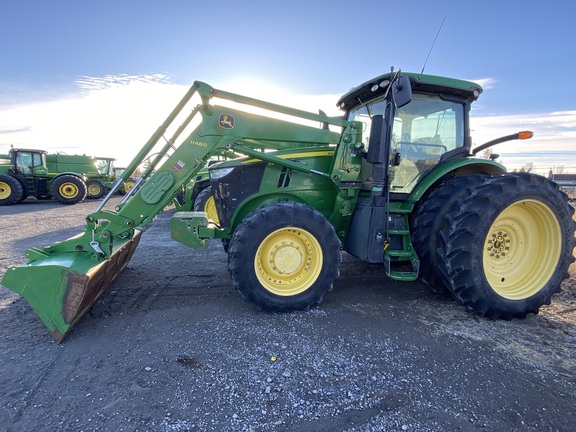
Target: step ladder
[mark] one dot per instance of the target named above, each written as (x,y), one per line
(401,264)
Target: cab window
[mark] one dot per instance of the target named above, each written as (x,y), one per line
(24,162)
(422,132)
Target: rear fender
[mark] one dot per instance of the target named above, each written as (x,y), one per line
(455,167)
(80,176)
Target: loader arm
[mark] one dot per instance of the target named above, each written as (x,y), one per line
(62,282)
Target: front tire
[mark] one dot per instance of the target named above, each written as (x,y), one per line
(508,247)
(284,257)
(205,202)
(11,190)
(68,189)
(127,185)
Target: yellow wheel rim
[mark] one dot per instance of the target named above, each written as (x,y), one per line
(522,249)
(5,190)
(210,209)
(94,189)
(128,185)
(68,190)
(288,261)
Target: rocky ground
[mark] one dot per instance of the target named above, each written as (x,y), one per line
(172,347)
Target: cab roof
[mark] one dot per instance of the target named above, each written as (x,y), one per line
(421,83)
(28,150)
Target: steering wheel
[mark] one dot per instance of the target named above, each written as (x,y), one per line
(420,148)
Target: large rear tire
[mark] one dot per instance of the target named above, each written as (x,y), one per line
(430,218)
(68,189)
(284,257)
(508,247)
(11,190)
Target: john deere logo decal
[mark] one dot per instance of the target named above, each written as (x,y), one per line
(226,121)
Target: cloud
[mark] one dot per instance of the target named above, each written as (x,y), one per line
(110,116)
(486,83)
(15,130)
(115,116)
(111,81)
(553,144)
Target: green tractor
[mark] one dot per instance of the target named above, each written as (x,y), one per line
(105,178)
(99,171)
(395,180)
(125,185)
(187,198)
(27,173)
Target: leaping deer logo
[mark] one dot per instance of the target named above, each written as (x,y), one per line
(226,121)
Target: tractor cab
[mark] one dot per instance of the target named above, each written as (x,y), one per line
(409,129)
(29,162)
(105,166)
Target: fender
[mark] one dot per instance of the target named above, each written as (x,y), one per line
(81,176)
(455,167)
(252,203)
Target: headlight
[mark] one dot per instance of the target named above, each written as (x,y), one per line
(218,173)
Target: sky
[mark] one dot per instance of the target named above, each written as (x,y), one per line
(98,77)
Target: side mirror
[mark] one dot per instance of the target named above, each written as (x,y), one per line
(402,91)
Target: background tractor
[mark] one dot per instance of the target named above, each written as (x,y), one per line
(126,185)
(27,173)
(99,171)
(197,194)
(393,181)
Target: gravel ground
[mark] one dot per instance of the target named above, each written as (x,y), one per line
(172,347)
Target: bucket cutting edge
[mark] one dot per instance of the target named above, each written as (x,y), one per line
(64,286)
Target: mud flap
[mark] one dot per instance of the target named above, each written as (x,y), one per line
(63,287)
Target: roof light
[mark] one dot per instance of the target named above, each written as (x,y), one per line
(384,83)
(374,87)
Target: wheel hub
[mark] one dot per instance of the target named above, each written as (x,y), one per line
(5,191)
(68,190)
(288,261)
(285,258)
(499,245)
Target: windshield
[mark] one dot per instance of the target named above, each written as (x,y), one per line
(422,132)
(103,166)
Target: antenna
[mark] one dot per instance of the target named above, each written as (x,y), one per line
(432,47)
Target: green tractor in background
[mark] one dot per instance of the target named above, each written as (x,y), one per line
(26,173)
(99,171)
(125,185)
(197,194)
(394,181)
(67,178)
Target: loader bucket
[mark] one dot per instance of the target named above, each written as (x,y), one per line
(62,287)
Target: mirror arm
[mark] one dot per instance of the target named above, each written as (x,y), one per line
(519,135)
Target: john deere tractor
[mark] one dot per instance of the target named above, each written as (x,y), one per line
(98,171)
(394,180)
(26,173)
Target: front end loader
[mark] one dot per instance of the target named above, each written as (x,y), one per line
(393,181)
